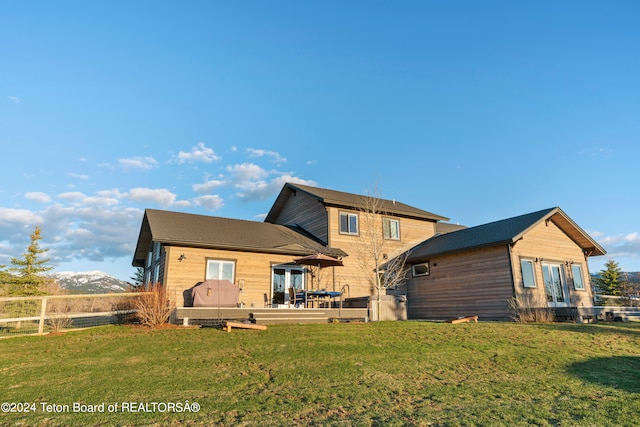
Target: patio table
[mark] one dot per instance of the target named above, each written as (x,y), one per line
(311,296)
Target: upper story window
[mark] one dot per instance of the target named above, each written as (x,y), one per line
(391,228)
(348,223)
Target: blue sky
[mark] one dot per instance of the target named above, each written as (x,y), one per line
(477,111)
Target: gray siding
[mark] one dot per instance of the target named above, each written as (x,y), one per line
(477,282)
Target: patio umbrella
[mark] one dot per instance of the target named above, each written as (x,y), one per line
(319,260)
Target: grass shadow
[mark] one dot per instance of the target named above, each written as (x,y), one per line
(619,372)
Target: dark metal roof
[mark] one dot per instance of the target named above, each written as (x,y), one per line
(349,200)
(506,231)
(183,229)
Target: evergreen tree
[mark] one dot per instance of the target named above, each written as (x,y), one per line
(610,278)
(27,278)
(138,277)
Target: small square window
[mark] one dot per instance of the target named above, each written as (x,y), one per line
(420,269)
(348,223)
(391,229)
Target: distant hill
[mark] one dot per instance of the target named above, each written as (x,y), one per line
(89,282)
(630,276)
(633,277)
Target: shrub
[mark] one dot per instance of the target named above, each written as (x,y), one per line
(59,322)
(153,306)
(531,308)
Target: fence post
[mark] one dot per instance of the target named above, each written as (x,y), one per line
(43,312)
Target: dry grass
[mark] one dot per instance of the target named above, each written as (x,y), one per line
(154,307)
(531,309)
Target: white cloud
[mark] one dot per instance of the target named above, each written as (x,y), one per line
(90,232)
(37,196)
(262,189)
(622,245)
(247,172)
(211,202)
(140,163)
(72,196)
(161,197)
(14,99)
(9,216)
(277,158)
(208,186)
(80,199)
(199,153)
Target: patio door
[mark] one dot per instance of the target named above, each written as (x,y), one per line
(554,284)
(283,278)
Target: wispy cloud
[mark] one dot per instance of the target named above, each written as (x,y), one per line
(621,245)
(78,176)
(210,202)
(595,151)
(14,99)
(276,157)
(139,163)
(208,186)
(261,189)
(199,153)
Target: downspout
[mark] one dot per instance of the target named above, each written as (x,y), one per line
(513,275)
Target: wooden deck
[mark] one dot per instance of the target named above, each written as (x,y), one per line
(265,316)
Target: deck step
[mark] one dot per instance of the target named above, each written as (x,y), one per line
(289,316)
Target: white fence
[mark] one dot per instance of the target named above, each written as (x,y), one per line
(52,313)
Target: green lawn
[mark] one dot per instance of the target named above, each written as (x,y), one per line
(386,374)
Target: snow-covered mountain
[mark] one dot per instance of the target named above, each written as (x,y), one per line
(89,282)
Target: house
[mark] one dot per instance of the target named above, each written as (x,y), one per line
(540,257)
(454,271)
(354,224)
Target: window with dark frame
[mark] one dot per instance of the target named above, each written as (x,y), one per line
(421,269)
(348,223)
(528,275)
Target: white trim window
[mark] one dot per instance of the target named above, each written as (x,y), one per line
(421,269)
(528,273)
(348,223)
(221,270)
(391,228)
(578,280)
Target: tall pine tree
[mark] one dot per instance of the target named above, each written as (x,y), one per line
(27,273)
(610,278)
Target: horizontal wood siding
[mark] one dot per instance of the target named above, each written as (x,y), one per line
(358,269)
(252,268)
(307,212)
(471,283)
(547,242)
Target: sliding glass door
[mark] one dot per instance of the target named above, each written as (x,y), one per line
(283,278)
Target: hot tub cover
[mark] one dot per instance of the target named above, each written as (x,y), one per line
(215,293)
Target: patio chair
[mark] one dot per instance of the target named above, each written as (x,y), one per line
(267,303)
(295,299)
